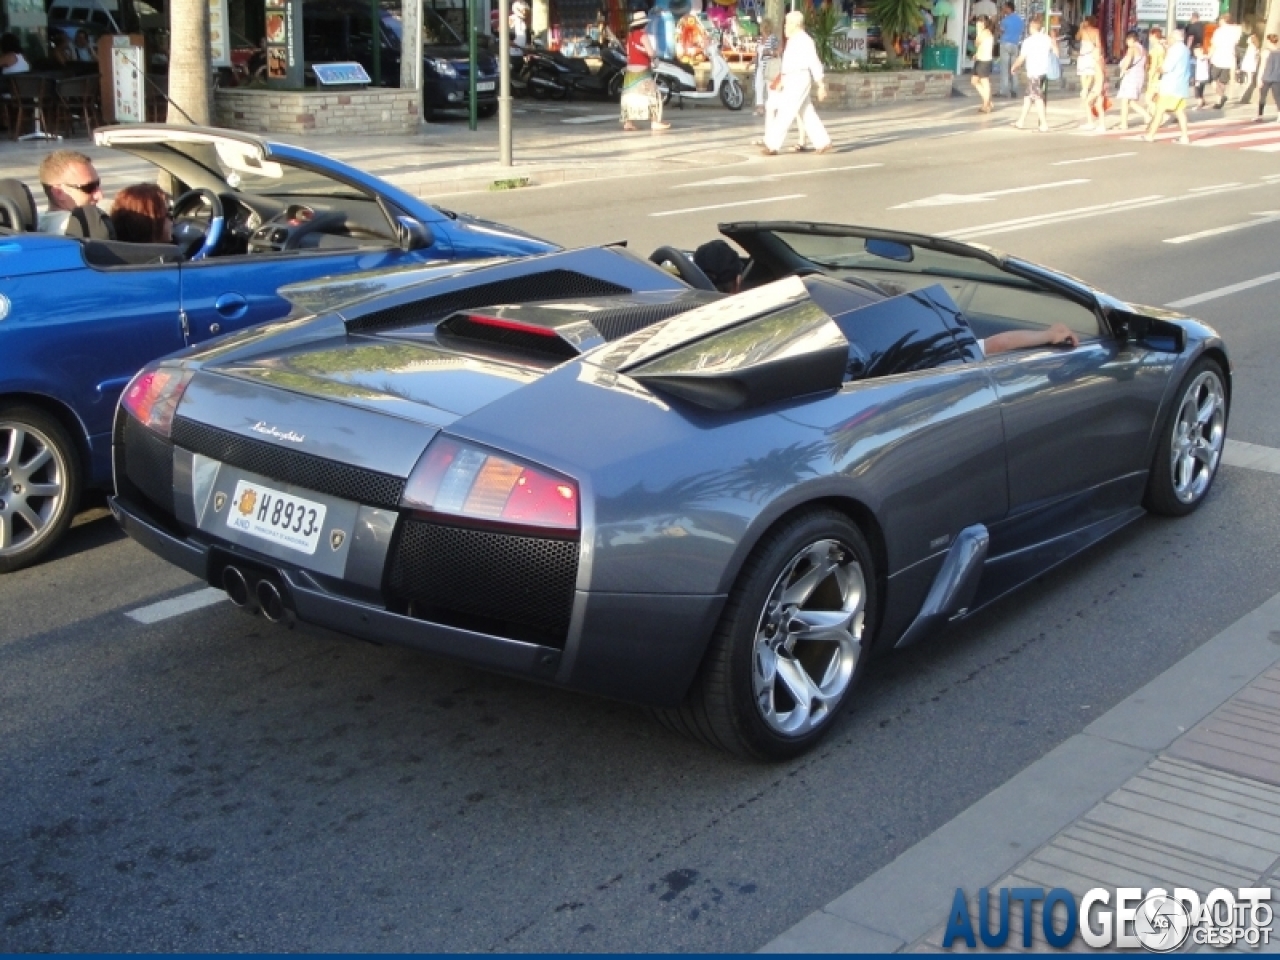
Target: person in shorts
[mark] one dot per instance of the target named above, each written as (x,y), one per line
(1174,87)
(1222,57)
(983,53)
(1035,54)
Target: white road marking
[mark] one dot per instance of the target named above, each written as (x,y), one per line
(1265,148)
(1251,456)
(722,206)
(176,606)
(948,199)
(1026,223)
(1216,186)
(1270,177)
(1226,141)
(1263,216)
(764,177)
(953,133)
(1223,291)
(595,118)
(1105,156)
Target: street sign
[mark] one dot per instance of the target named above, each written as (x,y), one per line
(332,74)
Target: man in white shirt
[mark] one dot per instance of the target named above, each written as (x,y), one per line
(1035,54)
(1222,56)
(801,71)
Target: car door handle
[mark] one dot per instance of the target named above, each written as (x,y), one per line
(231,305)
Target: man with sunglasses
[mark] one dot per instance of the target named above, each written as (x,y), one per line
(69,181)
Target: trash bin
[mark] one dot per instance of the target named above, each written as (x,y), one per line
(940,58)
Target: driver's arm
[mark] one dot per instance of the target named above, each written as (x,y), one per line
(1057,335)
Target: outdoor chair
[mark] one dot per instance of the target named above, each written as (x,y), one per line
(78,102)
(32,102)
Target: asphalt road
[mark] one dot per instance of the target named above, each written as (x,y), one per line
(209,782)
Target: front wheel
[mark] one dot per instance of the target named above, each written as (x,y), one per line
(731,94)
(1190,444)
(39,485)
(790,644)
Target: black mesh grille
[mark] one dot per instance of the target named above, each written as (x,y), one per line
(520,586)
(548,285)
(290,466)
(148,463)
(619,322)
(460,325)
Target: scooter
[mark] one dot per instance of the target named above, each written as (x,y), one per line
(676,79)
(554,75)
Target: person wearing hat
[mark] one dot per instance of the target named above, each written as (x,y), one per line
(722,265)
(640,100)
(801,71)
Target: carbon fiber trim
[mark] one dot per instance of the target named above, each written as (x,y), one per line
(620,322)
(148,462)
(548,285)
(514,585)
(289,466)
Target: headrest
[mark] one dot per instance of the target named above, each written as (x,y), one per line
(90,223)
(19,202)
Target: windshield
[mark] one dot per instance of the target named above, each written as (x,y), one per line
(850,253)
(435,31)
(241,171)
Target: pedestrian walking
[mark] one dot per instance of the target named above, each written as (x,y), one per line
(1133,80)
(767,63)
(1249,67)
(1155,64)
(984,42)
(1269,75)
(1035,54)
(1174,88)
(1011,30)
(1090,69)
(1222,57)
(640,99)
(1200,73)
(801,72)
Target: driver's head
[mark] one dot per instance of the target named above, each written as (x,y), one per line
(722,265)
(69,180)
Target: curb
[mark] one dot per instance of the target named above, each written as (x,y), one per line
(1005,827)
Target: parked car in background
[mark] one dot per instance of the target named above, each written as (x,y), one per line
(78,318)
(339,30)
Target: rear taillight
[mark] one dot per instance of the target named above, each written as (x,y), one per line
(153,395)
(463,480)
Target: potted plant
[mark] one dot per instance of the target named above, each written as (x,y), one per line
(898,20)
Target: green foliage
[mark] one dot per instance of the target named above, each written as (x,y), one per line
(897,18)
(820,22)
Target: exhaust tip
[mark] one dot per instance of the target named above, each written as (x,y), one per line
(237,587)
(271,602)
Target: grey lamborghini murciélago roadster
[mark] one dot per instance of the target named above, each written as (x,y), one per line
(579,468)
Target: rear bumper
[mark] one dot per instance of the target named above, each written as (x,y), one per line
(643,648)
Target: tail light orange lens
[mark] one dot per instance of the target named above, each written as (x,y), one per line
(464,480)
(153,396)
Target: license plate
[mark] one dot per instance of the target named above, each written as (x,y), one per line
(279,517)
(485,86)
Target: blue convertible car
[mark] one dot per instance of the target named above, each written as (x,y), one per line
(78,318)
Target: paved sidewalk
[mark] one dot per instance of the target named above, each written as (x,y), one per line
(1178,785)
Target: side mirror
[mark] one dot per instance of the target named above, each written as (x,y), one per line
(413,234)
(889,249)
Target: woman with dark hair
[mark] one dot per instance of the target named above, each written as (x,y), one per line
(11,58)
(140,214)
(983,53)
(1133,79)
(1091,69)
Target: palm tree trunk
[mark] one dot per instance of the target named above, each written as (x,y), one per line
(189,61)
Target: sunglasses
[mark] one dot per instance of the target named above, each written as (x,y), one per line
(91,187)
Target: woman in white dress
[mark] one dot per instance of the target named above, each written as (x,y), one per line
(1090,70)
(1133,79)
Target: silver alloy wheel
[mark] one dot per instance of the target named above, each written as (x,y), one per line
(1197,437)
(33,486)
(809,638)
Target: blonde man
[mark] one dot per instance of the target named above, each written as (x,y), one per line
(69,180)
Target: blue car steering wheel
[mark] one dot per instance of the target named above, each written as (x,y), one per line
(190,223)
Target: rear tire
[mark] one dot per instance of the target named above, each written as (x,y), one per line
(39,485)
(790,644)
(1191,440)
(664,89)
(731,94)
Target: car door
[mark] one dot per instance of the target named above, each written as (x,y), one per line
(223,294)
